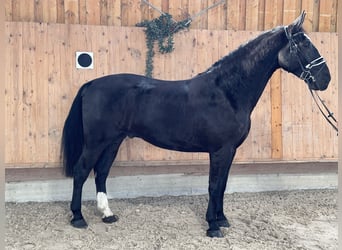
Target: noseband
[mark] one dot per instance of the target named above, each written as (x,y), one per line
(306,74)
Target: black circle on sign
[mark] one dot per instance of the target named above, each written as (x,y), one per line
(84,60)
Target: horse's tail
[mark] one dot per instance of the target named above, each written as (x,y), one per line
(72,137)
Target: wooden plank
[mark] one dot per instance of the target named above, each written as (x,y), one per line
(83,12)
(333,23)
(13,80)
(236,14)
(165,6)
(114,12)
(274,13)
(217,17)
(276,116)
(41,91)
(252,8)
(195,6)
(124,12)
(104,12)
(307,5)
(274,17)
(152,13)
(291,10)
(325,15)
(8,10)
(32,101)
(40,11)
(261,15)
(316,15)
(57,90)
(100,41)
(72,12)
(60,18)
(23,10)
(179,9)
(287,124)
(130,12)
(92,12)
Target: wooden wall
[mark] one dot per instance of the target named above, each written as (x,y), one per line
(232,15)
(41,82)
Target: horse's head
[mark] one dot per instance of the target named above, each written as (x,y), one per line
(301,57)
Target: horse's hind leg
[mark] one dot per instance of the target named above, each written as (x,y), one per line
(83,167)
(101,170)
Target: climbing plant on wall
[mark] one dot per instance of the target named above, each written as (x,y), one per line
(162,29)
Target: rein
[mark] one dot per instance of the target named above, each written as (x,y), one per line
(307,76)
(329,117)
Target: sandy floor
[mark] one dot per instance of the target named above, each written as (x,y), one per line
(273,220)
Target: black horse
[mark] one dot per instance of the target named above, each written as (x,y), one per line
(208,113)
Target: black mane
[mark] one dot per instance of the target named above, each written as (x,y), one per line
(239,53)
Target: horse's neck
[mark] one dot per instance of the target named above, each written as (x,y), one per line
(248,70)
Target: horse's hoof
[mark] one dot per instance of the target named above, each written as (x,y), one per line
(110,219)
(80,223)
(223,223)
(215,233)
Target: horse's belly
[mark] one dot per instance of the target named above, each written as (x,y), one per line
(179,141)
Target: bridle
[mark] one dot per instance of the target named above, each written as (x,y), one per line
(306,74)
(308,77)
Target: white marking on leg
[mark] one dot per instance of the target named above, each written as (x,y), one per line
(102,205)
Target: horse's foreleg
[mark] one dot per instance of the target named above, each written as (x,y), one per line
(220,163)
(102,169)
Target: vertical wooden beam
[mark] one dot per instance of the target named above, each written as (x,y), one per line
(45,11)
(242,10)
(276,116)
(104,15)
(315,15)
(274,17)
(333,22)
(23,10)
(8,10)
(114,12)
(261,15)
(60,11)
(178,9)
(92,12)
(217,16)
(82,10)
(252,9)
(39,11)
(195,6)
(308,6)
(165,6)
(291,10)
(72,12)
(2,127)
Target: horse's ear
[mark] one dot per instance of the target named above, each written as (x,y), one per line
(296,26)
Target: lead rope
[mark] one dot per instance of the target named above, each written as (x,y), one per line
(190,19)
(330,116)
